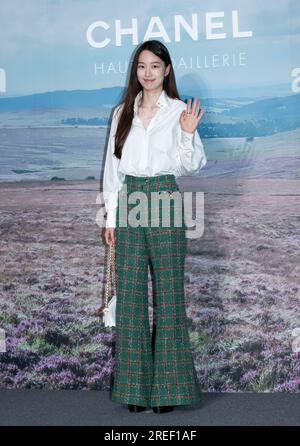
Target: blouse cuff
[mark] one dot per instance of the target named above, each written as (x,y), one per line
(187,135)
(111,218)
(187,141)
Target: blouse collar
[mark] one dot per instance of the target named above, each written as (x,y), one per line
(162,101)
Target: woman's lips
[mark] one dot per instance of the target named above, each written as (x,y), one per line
(148,80)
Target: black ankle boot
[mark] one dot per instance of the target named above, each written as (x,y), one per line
(136,408)
(162,409)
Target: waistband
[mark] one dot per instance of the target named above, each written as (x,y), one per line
(158,179)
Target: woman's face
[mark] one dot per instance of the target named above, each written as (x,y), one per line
(151,70)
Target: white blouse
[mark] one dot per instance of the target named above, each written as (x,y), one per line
(162,148)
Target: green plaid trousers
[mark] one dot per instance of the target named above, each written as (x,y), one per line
(152,369)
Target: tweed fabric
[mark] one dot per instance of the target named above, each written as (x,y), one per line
(152,369)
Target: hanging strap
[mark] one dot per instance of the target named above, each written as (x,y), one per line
(110,274)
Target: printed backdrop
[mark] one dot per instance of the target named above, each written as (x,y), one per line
(63,68)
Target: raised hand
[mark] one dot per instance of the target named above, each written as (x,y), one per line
(190,118)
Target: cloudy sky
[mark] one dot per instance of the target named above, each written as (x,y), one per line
(43,43)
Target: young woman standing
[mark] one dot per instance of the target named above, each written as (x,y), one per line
(153,139)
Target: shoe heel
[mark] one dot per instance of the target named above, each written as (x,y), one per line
(162,409)
(135,408)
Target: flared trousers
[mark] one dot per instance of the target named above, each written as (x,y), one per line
(152,368)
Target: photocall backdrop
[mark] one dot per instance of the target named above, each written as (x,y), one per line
(63,68)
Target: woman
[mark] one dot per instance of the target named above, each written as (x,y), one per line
(153,139)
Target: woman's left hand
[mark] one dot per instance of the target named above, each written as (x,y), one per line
(189,118)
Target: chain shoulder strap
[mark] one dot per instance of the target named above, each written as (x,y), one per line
(110,281)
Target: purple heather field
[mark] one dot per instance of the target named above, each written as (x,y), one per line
(241,282)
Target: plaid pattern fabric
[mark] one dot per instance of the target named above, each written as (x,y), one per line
(157,370)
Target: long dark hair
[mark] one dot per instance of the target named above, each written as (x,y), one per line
(134,87)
